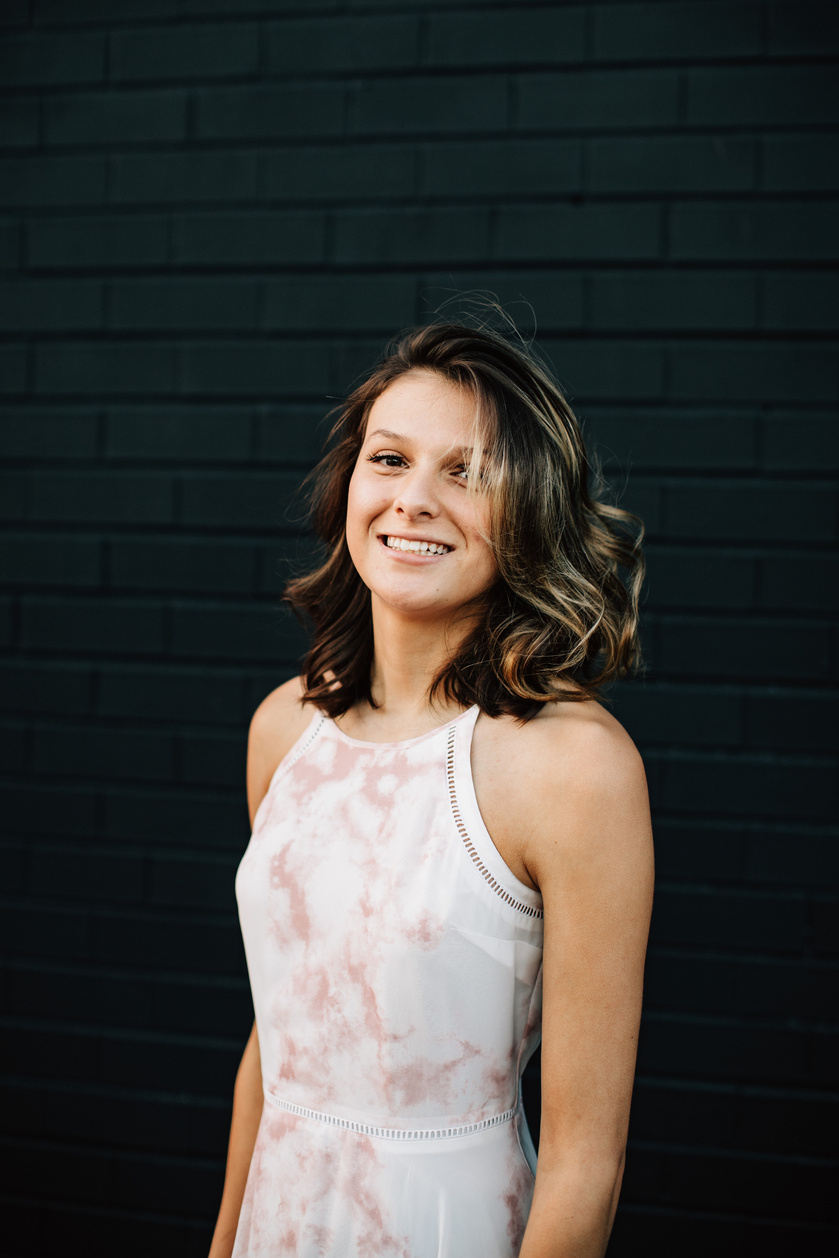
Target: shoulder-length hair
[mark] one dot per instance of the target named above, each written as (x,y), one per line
(561,620)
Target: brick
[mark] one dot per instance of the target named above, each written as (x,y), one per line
(743,785)
(101,497)
(12,369)
(114,369)
(747,509)
(15,13)
(762,96)
(343,172)
(502,167)
(776,650)
(39,60)
(749,231)
(290,434)
(214,759)
(10,241)
(14,495)
(800,162)
(194,882)
(244,500)
(46,809)
(84,876)
(802,302)
(524,37)
(52,180)
(58,1111)
(675,715)
(427,105)
(672,438)
(130,118)
(800,441)
(356,302)
(97,242)
(203,7)
(414,235)
(246,239)
(180,818)
(752,372)
(801,581)
(680,578)
(344,45)
(256,368)
(157,305)
(36,560)
(99,11)
(713,1048)
(792,720)
(679,31)
(801,28)
(182,53)
(201,695)
(547,299)
(757,1186)
(179,434)
(103,753)
(667,300)
(76,1231)
(199,175)
(67,434)
(574,232)
(19,122)
(13,870)
(662,1230)
(268,113)
(37,932)
(56,688)
(161,563)
(671,164)
(731,919)
(7,626)
(14,749)
(606,369)
(50,305)
(91,626)
(228,634)
(617,99)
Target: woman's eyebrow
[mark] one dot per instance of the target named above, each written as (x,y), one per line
(463,452)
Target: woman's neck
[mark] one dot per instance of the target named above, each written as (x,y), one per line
(408,654)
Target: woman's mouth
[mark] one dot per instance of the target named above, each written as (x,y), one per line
(416,547)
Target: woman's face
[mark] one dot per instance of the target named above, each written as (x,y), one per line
(416,536)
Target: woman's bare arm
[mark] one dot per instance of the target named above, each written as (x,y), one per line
(277,724)
(247,1111)
(590,852)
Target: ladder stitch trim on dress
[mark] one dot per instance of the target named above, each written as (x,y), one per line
(390,1133)
(528,909)
(305,745)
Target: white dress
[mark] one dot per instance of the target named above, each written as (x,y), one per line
(395,964)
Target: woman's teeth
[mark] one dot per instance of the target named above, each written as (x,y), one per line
(431,548)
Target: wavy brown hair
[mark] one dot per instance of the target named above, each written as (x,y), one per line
(561,620)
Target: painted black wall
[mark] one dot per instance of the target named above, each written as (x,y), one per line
(213,212)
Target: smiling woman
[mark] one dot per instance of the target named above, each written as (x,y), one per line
(451,853)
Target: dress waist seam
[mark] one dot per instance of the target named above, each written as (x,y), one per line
(391,1133)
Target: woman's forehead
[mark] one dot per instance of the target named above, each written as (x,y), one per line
(421,404)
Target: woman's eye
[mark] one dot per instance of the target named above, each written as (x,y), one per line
(387,460)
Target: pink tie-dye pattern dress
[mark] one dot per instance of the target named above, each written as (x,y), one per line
(395,963)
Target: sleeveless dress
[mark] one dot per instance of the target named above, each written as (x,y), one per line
(395,964)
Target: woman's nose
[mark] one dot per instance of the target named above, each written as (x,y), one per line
(417,495)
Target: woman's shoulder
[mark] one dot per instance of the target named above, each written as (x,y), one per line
(574,741)
(571,777)
(275,727)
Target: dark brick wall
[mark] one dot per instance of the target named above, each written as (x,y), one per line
(212,212)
